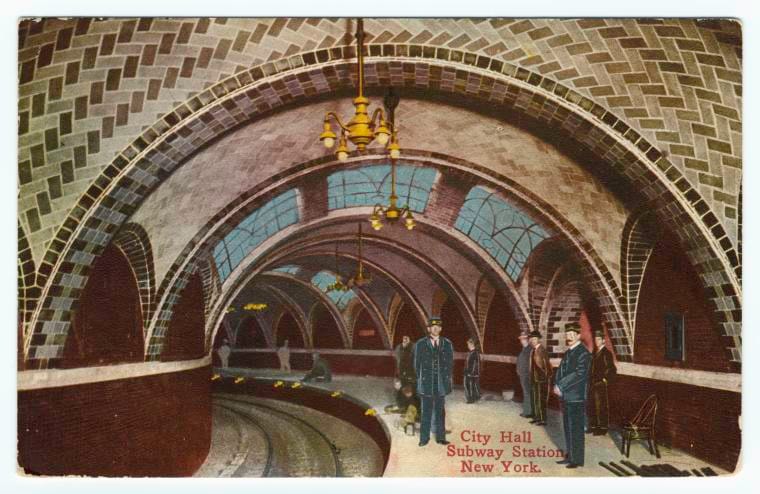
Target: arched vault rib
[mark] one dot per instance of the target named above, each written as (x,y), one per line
(291,246)
(579,117)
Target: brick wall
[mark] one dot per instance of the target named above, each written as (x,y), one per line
(107,320)
(148,426)
(325,331)
(701,421)
(184,338)
(670,284)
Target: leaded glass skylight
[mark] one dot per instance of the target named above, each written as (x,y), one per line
(278,213)
(291,269)
(370,185)
(504,231)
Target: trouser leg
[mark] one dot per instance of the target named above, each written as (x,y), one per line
(575,413)
(566,432)
(426,402)
(527,396)
(603,407)
(440,418)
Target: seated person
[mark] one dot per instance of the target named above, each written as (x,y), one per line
(320,370)
(407,398)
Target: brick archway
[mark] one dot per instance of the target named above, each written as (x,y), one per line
(135,171)
(132,240)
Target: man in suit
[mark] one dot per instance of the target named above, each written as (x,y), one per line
(603,371)
(523,372)
(570,387)
(472,373)
(433,364)
(540,378)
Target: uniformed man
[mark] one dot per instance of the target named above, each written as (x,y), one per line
(603,371)
(433,364)
(570,387)
(540,378)
(523,372)
(472,373)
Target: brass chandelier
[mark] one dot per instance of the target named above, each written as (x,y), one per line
(391,213)
(361,130)
(359,279)
(337,285)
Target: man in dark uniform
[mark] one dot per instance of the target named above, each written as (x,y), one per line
(603,371)
(404,354)
(540,378)
(523,372)
(472,373)
(433,364)
(570,387)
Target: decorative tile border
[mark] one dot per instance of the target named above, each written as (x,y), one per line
(149,161)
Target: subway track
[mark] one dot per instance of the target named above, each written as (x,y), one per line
(255,437)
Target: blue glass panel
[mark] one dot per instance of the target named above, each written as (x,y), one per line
(371,185)
(288,269)
(504,231)
(322,280)
(278,213)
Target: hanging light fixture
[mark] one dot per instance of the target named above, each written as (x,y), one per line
(337,285)
(391,213)
(361,130)
(360,279)
(255,306)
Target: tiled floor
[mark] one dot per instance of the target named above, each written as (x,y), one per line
(494,418)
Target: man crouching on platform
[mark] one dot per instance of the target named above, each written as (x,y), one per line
(433,364)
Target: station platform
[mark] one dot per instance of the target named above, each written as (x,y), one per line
(488,438)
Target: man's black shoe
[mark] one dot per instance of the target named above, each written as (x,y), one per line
(563,462)
(533,421)
(423,443)
(573,465)
(443,442)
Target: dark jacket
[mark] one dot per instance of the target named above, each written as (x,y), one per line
(523,362)
(540,367)
(603,368)
(433,366)
(572,374)
(405,363)
(472,366)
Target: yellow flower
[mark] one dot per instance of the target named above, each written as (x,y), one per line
(335,394)
(295,385)
(239,380)
(279,384)
(370,412)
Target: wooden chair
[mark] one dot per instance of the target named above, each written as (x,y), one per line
(641,427)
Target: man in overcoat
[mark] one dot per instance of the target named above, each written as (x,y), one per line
(603,371)
(405,361)
(570,386)
(472,373)
(540,378)
(433,364)
(523,372)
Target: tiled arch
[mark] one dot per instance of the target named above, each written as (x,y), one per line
(82,81)
(637,245)
(26,276)
(607,292)
(152,156)
(132,240)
